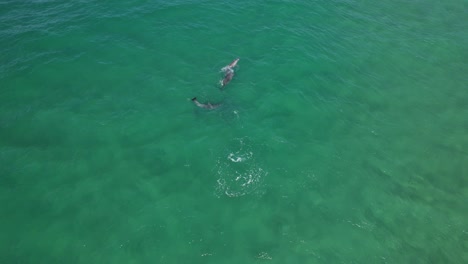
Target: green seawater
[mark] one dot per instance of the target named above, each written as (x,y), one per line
(342,138)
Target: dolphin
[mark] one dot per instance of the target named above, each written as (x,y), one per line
(229,70)
(227,77)
(206,106)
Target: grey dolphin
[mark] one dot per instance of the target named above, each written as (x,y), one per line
(227,77)
(229,69)
(206,106)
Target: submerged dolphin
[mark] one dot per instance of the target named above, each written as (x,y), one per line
(206,106)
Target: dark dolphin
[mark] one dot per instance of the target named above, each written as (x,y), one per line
(229,70)
(227,77)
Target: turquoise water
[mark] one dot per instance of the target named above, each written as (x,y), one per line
(342,138)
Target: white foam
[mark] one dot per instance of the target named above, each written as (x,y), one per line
(239,179)
(239,173)
(239,157)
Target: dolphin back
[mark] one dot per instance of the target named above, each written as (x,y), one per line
(228,77)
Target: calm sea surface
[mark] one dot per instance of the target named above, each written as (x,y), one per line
(342,138)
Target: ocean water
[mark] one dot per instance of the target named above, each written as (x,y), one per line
(342,138)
